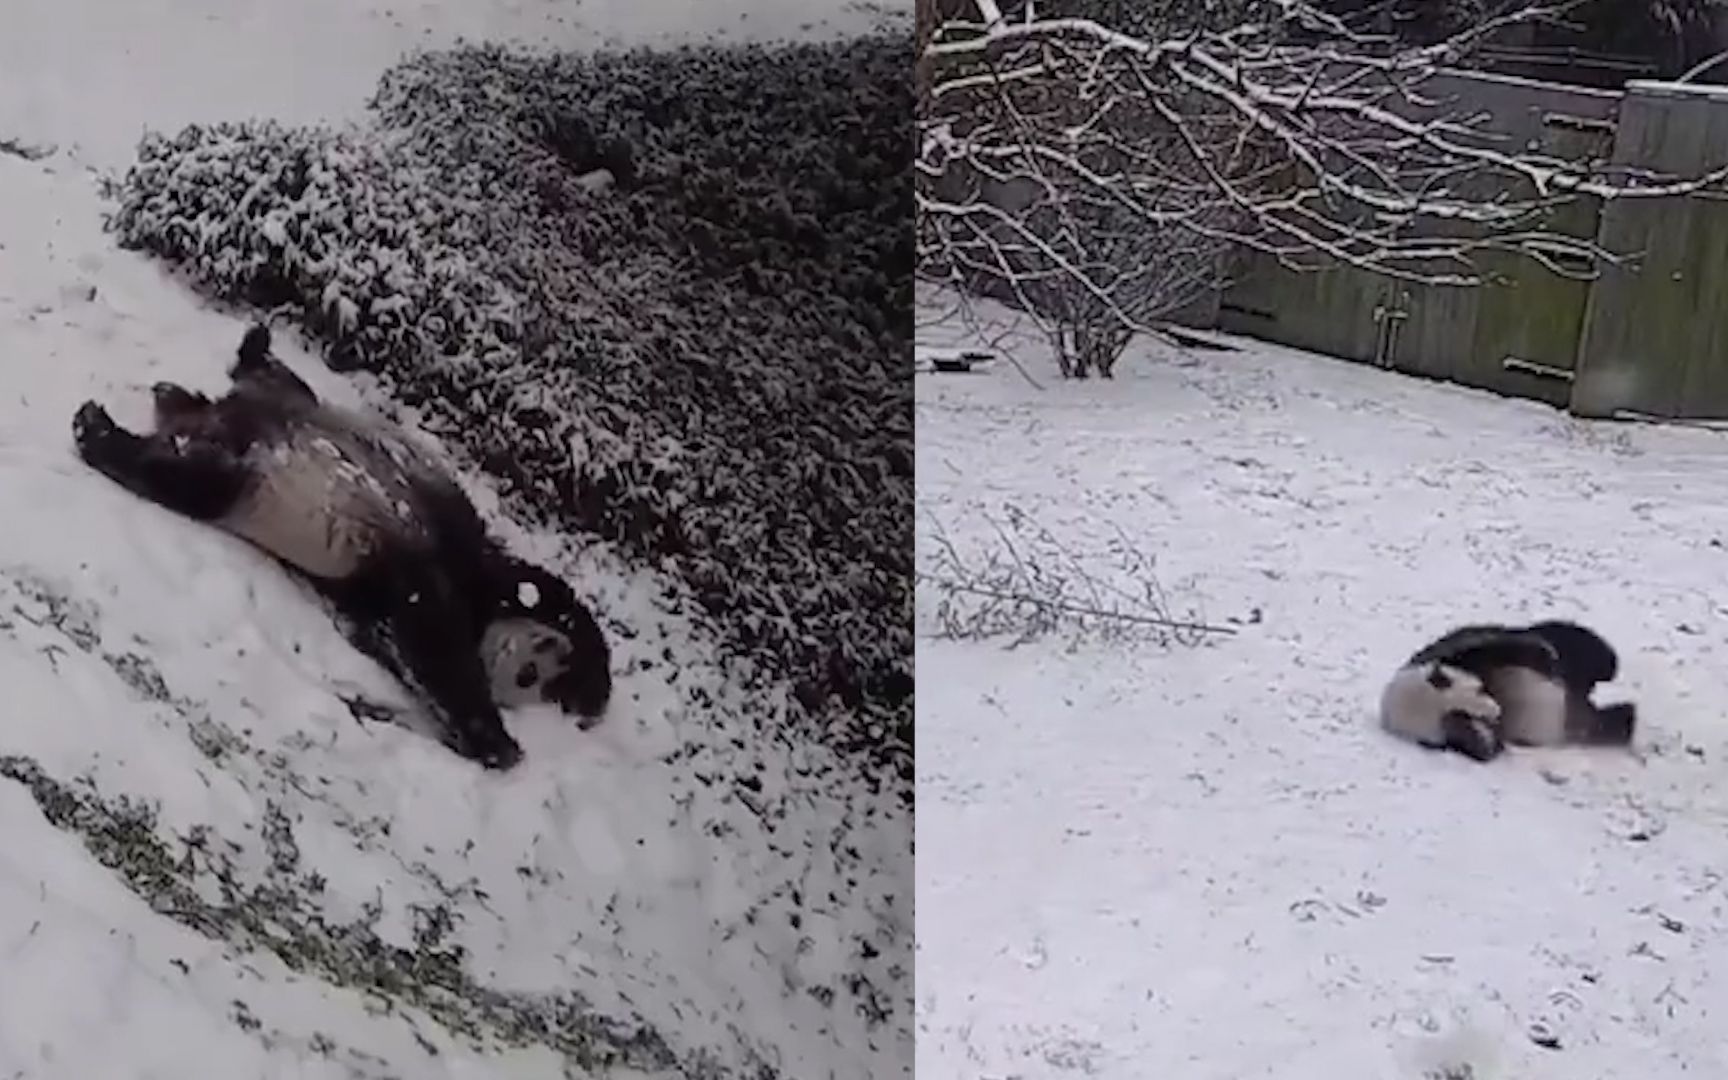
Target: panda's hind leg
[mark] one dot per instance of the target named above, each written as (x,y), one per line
(190,476)
(1609,725)
(255,365)
(1585,658)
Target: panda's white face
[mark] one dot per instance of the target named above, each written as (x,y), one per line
(1457,690)
(523,656)
(1420,698)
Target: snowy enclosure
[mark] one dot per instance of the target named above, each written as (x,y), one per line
(1195,855)
(215,861)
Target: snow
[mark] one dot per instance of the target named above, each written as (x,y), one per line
(203,855)
(1205,860)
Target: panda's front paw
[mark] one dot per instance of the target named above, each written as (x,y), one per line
(91,420)
(494,749)
(92,427)
(502,756)
(1473,736)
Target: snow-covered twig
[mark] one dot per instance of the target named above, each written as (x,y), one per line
(947,585)
(1030,585)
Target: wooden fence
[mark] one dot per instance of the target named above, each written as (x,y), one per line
(1650,337)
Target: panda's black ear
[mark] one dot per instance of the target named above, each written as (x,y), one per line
(1438,679)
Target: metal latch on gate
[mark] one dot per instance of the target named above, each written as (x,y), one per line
(1532,367)
(1390,319)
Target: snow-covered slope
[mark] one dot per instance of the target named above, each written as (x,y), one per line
(207,865)
(1204,860)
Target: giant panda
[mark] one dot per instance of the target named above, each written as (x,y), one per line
(380,529)
(1540,676)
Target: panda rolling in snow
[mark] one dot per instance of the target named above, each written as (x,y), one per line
(1538,679)
(381,531)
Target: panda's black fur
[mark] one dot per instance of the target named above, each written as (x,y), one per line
(1541,676)
(380,529)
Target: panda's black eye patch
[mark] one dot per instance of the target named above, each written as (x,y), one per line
(546,646)
(527,676)
(1438,679)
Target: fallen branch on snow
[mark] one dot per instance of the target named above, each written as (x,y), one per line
(1073,609)
(1031,585)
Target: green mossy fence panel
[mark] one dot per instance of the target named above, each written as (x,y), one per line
(1528,317)
(1525,313)
(1434,335)
(1325,311)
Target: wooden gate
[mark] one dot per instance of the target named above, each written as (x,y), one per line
(1518,334)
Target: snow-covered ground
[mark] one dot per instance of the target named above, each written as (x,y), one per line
(179,669)
(1205,861)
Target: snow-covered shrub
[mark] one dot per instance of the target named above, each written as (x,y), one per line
(703,360)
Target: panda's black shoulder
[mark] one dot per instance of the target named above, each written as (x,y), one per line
(1482,648)
(1442,647)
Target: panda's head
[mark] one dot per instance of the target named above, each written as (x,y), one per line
(1441,706)
(1459,692)
(541,643)
(1468,718)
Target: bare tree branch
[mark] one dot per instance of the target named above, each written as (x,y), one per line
(1103,178)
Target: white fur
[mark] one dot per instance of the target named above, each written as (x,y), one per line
(1412,708)
(1532,706)
(508,645)
(328,494)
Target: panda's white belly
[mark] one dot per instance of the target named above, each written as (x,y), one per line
(321,503)
(1532,708)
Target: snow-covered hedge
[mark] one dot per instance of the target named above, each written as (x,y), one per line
(705,361)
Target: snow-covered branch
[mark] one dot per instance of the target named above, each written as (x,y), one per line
(1053,149)
(1026,584)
